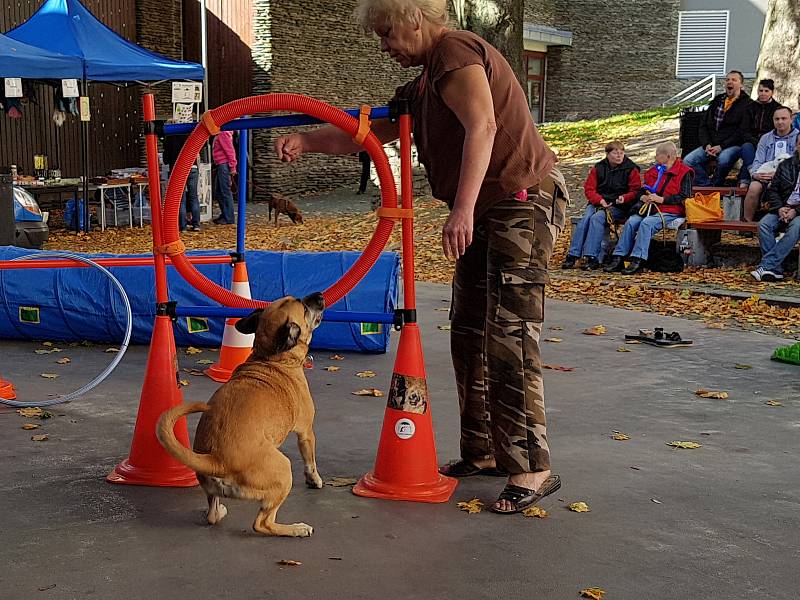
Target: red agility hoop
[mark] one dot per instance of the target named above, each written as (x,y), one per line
(211,122)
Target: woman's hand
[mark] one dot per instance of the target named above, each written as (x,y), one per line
(457,233)
(289,147)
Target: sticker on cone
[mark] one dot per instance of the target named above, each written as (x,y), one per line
(404,428)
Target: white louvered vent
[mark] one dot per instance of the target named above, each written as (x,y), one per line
(702,43)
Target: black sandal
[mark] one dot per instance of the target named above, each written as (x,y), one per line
(522,497)
(464,468)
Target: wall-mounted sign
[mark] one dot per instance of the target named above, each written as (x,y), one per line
(69,88)
(13,87)
(86,114)
(187,91)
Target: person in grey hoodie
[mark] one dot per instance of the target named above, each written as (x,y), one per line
(780,142)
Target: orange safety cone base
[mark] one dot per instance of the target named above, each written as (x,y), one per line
(7,390)
(149,463)
(440,491)
(233,357)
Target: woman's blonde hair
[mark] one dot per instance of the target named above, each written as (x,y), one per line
(379,15)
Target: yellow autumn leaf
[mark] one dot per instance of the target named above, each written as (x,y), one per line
(47,344)
(579,507)
(204,361)
(49,375)
(620,437)
(30,426)
(332,368)
(63,361)
(39,438)
(183,382)
(535,511)
(555,340)
(718,395)
(773,403)
(289,563)
(365,374)
(193,350)
(623,349)
(194,372)
(368,392)
(34,411)
(443,327)
(593,593)
(686,445)
(337,357)
(112,349)
(742,367)
(472,507)
(596,330)
(41,351)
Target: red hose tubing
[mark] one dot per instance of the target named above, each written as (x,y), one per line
(261,104)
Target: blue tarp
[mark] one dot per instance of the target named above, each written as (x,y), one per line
(82,303)
(18,59)
(66,27)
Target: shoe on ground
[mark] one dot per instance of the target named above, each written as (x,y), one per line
(221,221)
(762,274)
(569,262)
(590,263)
(634,266)
(195,228)
(615,265)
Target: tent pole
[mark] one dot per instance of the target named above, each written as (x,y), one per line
(85,162)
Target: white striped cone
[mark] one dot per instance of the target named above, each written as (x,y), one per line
(236,347)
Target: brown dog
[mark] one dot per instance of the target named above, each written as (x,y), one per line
(236,445)
(281,204)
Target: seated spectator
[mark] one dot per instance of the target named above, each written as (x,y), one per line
(660,202)
(721,132)
(759,122)
(784,206)
(610,190)
(773,147)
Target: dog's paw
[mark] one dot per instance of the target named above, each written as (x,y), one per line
(301,529)
(314,481)
(215,516)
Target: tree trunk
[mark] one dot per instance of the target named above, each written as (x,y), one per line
(780,50)
(499,22)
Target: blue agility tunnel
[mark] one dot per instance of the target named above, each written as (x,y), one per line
(75,304)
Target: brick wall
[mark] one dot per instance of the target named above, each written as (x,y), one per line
(159,29)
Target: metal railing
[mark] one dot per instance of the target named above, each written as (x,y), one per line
(702,91)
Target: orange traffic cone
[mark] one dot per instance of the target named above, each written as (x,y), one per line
(149,463)
(236,347)
(406,467)
(7,390)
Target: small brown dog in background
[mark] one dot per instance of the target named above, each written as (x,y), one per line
(281,204)
(237,442)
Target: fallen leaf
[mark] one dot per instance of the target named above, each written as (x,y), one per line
(743,367)
(47,344)
(63,361)
(443,327)
(341,481)
(195,372)
(193,350)
(289,563)
(204,361)
(30,426)
(442,309)
(624,349)
(39,438)
(711,394)
(716,326)
(593,593)
(365,374)
(534,511)
(112,349)
(368,392)
(183,382)
(596,330)
(332,368)
(579,507)
(337,357)
(472,507)
(556,328)
(686,445)
(620,437)
(34,411)
(655,501)
(49,375)
(557,368)
(773,403)
(555,340)
(40,351)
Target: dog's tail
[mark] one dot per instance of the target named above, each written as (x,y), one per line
(205,464)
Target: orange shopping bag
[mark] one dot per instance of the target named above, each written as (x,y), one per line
(704,208)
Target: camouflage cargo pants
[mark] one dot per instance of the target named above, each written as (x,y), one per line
(497,314)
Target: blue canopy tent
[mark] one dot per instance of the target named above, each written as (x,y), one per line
(18,59)
(68,28)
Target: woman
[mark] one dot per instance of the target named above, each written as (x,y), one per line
(610,190)
(484,157)
(667,185)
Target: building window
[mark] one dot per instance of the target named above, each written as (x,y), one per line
(535,69)
(702,43)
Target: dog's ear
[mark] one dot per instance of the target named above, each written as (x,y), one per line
(249,324)
(287,337)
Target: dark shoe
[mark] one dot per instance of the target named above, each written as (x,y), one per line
(659,338)
(634,266)
(464,468)
(195,228)
(590,263)
(521,498)
(615,265)
(569,262)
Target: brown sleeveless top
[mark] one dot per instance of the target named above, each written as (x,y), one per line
(520,157)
